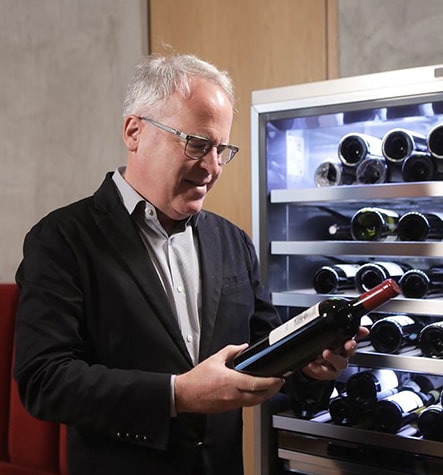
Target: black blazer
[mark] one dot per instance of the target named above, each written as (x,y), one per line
(97,341)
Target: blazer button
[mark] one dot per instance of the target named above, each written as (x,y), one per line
(199,444)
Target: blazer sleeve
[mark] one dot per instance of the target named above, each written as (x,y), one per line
(60,375)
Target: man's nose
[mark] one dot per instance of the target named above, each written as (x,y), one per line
(211,161)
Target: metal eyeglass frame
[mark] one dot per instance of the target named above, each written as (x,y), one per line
(206,146)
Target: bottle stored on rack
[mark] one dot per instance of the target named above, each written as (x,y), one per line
(435,141)
(417,226)
(353,148)
(365,388)
(332,173)
(430,422)
(399,144)
(402,408)
(418,283)
(373,224)
(340,233)
(301,339)
(372,171)
(420,166)
(371,274)
(390,334)
(343,411)
(330,279)
(430,340)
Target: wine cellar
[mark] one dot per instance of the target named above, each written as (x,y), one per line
(348,191)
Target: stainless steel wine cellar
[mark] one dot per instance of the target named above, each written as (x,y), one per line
(294,130)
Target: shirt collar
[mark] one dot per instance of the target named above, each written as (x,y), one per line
(131,198)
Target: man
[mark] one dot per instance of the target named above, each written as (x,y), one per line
(133,301)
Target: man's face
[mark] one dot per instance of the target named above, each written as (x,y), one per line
(158,168)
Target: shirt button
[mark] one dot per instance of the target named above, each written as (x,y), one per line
(180,289)
(189,338)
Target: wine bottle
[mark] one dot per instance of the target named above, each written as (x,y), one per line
(341,233)
(430,422)
(300,340)
(373,224)
(353,148)
(367,387)
(418,283)
(332,173)
(430,340)
(417,226)
(366,321)
(435,141)
(330,279)
(394,412)
(420,166)
(398,144)
(372,171)
(371,274)
(391,333)
(343,411)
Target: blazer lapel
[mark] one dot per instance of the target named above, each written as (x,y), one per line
(211,263)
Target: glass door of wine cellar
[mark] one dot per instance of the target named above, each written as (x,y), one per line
(348,190)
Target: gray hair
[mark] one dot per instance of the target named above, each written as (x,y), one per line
(157,77)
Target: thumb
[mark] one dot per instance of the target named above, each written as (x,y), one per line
(228,352)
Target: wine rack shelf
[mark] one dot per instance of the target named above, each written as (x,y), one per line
(357,193)
(405,440)
(358,248)
(308,297)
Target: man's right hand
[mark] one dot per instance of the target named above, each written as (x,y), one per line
(212,387)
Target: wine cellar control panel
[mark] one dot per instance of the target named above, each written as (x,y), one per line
(348,191)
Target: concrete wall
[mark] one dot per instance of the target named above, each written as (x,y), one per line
(64,69)
(382,35)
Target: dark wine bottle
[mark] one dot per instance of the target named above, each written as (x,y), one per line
(332,173)
(340,233)
(435,141)
(417,226)
(367,387)
(300,340)
(343,411)
(353,148)
(371,274)
(418,283)
(430,340)
(373,224)
(430,422)
(399,144)
(330,279)
(390,334)
(420,166)
(372,171)
(394,412)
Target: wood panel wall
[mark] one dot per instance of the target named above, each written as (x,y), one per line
(263,44)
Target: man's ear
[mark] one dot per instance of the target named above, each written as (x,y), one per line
(131,132)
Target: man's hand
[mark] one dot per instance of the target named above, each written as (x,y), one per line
(213,387)
(331,362)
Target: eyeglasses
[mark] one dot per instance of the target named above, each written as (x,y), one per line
(197,147)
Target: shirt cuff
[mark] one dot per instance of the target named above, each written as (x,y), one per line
(173,411)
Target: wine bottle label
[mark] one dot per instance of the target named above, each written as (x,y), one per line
(408,401)
(392,268)
(386,379)
(294,324)
(401,320)
(349,269)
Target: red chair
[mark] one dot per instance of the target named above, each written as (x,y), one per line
(27,446)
